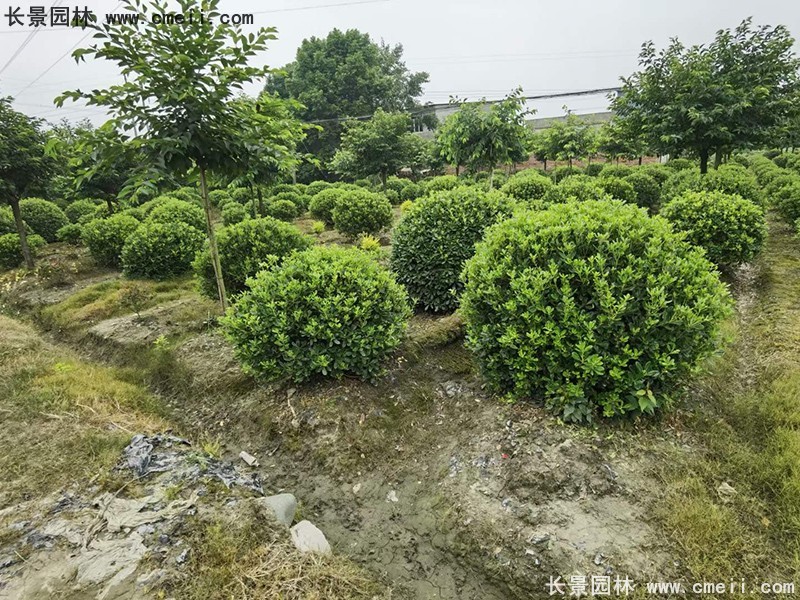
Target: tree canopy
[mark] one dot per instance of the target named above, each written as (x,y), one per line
(345,74)
(734,93)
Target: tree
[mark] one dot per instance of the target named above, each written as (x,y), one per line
(180,81)
(345,74)
(540,147)
(733,94)
(484,135)
(24,167)
(619,139)
(569,138)
(381,145)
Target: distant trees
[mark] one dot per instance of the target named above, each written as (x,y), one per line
(483,135)
(378,146)
(734,93)
(24,167)
(177,104)
(345,74)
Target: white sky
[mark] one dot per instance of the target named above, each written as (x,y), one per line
(470,48)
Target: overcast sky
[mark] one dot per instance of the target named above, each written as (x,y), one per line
(470,48)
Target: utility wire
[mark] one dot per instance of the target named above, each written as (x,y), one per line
(299,8)
(25,42)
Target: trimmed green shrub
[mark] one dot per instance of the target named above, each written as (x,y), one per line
(323,203)
(396,184)
(45,218)
(283,187)
(527,185)
(361,212)
(363,183)
(411,192)
(233,212)
(590,306)
(594,169)
(70,234)
(106,237)
(161,250)
(679,164)
(560,173)
(315,187)
(733,179)
(618,188)
(612,170)
(730,228)
(11,250)
(300,201)
(242,195)
(680,181)
(783,179)
(149,206)
(392,196)
(134,212)
(787,201)
(317,227)
(657,171)
(646,188)
(218,197)
(244,249)
(576,187)
(80,208)
(7,223)
(187,194)
(434,239)
(325,311)
(179,211)
(283,210)
(442,183)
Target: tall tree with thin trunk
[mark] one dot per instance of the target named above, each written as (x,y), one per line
(24,167)
(176,101)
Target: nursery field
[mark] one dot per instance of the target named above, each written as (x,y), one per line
(358,368)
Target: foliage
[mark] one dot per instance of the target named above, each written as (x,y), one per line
(646,187)
(360,212)
(442,183)
(730,228)
(737,92)
(105,238)
(315,187)
(594,169)
(434,239)
(7,224)
(317,227)
(160,250)
(618,188)
(78,209)
(378,146)
(577,187)
(245,248)
(283,210)
(730,179)
(233,213)
(549,317)
(411,191)
(657,171)
(297,198)
(786,200)
(568,139)
(44,217)
(345,74)
(529,184)
(485,135)
(323,203)
(70,234)
(10,249)
(218,197)
(369,243)
(328,310)
(560,173)
(179,211)
(612,170)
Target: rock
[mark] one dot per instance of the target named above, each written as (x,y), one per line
(392,496)
(308,538)
(283,506)
(181,558)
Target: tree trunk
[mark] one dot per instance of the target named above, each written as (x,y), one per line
(294,175)
(717,159)
(545,164)
(23,236)
(110,205)
(260,201)
(383,180)
(458,170)
(253,204)
(704,161)
(570,163)
(212,242)
(640,161)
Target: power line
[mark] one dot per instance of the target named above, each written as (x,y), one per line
(299,8)
(25,42)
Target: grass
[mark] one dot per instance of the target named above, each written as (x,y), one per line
(63,420)
(250,557)
(748,422)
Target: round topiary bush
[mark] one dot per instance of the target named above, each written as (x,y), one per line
(434,239)
(106,237)
(396,184)
(161,250)
(323,203)
(325,311)
(315,187)
(179,211)
(657,171)
(733,179)
(7,223)
(361,212)
(527,185)
(590,306)
(11,250)
(43,217)
(563,172)
(80,208)
(786,201)
(300,201)
(618,188)
(243,250)
(392,196)
(612,170)
(411,192)
(70,234)
(442,183)
(283,210)
(576,187)
(594,169)
(233,212)
(679,164)
(218,197)
(241,195)
(646,188)
(730,228)
(187,194)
